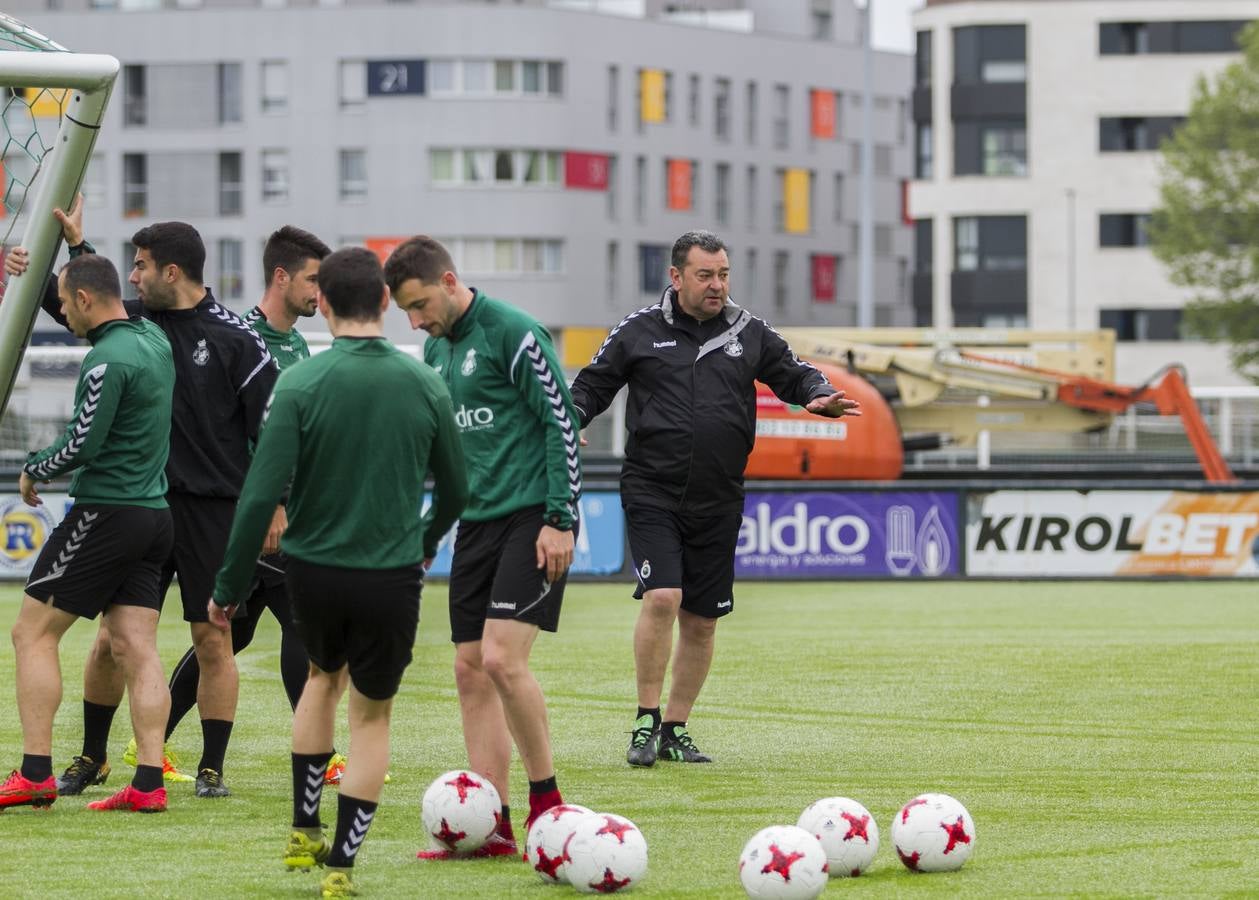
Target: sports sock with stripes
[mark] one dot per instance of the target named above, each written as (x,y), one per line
(354,817)
(308,775)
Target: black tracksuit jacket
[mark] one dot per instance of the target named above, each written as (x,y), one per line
(224,375)
(692,401)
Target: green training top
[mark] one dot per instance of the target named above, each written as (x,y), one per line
(119,437)
(514,411)
(356,429)
(287,347)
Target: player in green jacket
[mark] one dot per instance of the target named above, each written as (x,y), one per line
(355,430)
(106,556)
(515,540)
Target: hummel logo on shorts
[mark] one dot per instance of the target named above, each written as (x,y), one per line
(502,606)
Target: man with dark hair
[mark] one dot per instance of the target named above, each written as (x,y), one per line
(107,554)
(515,540)
(291,259)
(356,547)
(691,362)
(223,377)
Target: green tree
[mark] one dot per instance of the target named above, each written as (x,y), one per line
(1206,228)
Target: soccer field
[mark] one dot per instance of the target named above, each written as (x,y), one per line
(1103,737)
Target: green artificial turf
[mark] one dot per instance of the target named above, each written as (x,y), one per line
(1103,737)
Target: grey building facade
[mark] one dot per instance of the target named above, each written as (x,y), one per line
(558,148)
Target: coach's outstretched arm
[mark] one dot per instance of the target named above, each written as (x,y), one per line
(797,382)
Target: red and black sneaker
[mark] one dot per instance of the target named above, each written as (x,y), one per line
(131,800)
(20,791)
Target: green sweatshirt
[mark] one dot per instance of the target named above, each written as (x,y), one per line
(287,347)
(514,411)
(119,438)
(356,429)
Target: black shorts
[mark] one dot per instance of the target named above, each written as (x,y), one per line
(363,618)
(495,575)
(693,553)
(102,555)
(202,525)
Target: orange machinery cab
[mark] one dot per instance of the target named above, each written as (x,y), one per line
(791,443)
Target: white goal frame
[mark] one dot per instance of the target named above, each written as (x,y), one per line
(89,80)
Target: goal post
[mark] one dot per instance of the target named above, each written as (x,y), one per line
(31,66)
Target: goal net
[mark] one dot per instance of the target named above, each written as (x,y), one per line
(52,103)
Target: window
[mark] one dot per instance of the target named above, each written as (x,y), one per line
(612,194)
(275,86)
(135,184)
(837,197)
(505,77)
(990,54)
(353,174)
(614,96)
(883,160)
(95,191)
(782,116)
(555,79)
(275,176)
(229,93)
(504,170)
(782,279)
(653,267)
(486,167)
(990,243)
(476,76)
(1003,71)
(134,96)
(924,155)
(231,187)
(1124,38)
(441,76)
(924,247)
(751,113)
(441,167)
(542,257)
(354,83)
(692,100)
(902,122)
(1004,149)
(882,240)
(1207,37)
(1137,38)
(1124,229)
(721,109)
(722,191)
(922,60)
(823,25)
(231,269)
(1143,324)
(751,194)
(128,259)
(614,271)
(1131,134)
(640,188)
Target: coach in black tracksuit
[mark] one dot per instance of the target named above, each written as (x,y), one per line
(691,363)
(224,375)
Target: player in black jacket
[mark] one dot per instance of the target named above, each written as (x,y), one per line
(691,363)
(223,378)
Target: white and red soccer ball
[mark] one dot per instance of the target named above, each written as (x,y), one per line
(847,832)
(544,847)
(784,862)
(460,811)
(933,833)
(604,854)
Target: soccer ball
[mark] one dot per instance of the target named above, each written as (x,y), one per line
(460,811)
(847,832)
(604,854)
(544,848)
(784,862)
(933,833)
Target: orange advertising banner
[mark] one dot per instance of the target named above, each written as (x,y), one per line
(382,246)
(680,174)
(823,119)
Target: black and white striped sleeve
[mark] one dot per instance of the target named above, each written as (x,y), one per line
(596,385)
(95,404)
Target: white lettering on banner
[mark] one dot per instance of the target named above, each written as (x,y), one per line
(469,419)
(1198,534)
(802,428)
(799,533)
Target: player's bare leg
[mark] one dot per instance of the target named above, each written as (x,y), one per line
(36,634)
(692,659)
(485,730)
(216,700)
(653,640)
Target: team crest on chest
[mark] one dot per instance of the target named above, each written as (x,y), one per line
(201,353)
(733,347)
(469,363)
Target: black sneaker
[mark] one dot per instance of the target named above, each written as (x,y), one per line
(678,747)
(210,784)
(644,743)
(80,774)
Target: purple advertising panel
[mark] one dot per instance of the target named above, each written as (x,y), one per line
(897,534)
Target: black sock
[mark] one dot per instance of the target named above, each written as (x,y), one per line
(183,689)
(214,736)
(97,720)
(308,774)
(667,728)
(654,712)
(36,768)
(506,815)
(545,786)
(354,817)
(147,778)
